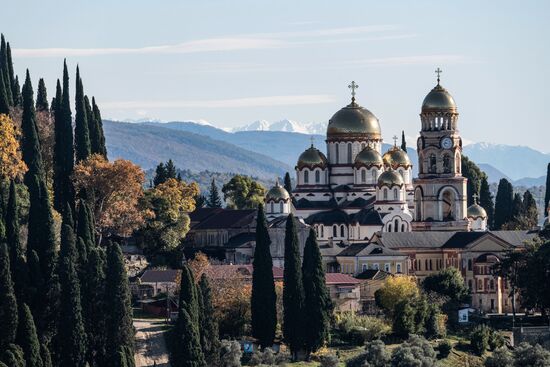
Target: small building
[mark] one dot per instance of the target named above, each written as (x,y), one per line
(344,291)
(360,257)
(371,281)
(160,280)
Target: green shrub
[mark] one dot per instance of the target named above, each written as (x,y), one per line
(496,339)
(361,329)
(501,358)
(416,351)
(329,360)
(444,348)
(479,339)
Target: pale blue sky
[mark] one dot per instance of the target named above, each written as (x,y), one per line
(233,62)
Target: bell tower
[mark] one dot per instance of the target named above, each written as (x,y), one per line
(440,190)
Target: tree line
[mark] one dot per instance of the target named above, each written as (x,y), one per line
(65,299)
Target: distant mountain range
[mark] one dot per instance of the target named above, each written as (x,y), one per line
(261,149)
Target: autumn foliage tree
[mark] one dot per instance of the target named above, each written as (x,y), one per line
(113,190)
(11,163)
(395,290)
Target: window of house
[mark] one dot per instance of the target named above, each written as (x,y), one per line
(385,194)
(363,176)
(337,147)
(431,264)
(426,264)
(322,231)
(374,176)
(387,267)
(389,227)
(272,207)
(396,225)
(281,207)
(376,266)
(395,193)
(335,231)
(470,264)
(398,268)
(365,267)
(492,284)
(349,153)
(342,231)
(317,176)
(492,304)
(306,177)
(403,227)
(479,284)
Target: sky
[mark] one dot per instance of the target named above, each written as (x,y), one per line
(233,62)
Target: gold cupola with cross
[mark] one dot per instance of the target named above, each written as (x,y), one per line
(440,190)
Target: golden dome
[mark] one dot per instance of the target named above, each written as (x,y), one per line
(277,193)
(390,178)
(475,211)
(369,157)
(312,157)
(438,100)
(353,120)
(396,157)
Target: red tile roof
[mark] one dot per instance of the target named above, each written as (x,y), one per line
(340,279)
(159,275)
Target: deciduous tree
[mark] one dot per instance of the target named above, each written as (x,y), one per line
(242,192)
(395,290)
(11,162)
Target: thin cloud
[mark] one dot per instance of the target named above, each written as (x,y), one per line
(413,60)
(270,101)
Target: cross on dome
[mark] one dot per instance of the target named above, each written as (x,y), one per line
(312,138)
(395,140)
(475,196)
(438,71)
(353,86)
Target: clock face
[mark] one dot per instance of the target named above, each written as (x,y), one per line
(447,143)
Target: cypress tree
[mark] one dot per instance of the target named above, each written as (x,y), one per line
(71,337)
(12,227)
(13,356)
(8,303)
(120,331)
(45,355)
(517,207)
(170,169)
(42,97)
(547,192)
(293,291)
(5,69)
(210,340)
(264,299)
(30,145)
(530,211)
(94,307)
(188,294)
(474,175)
(11,74)
(4,101)
(92,127)
(486,200)
(160,174)
(99,140)
(288,183)
(503,203)
(84,227)
(403,141)
(17,98)
(214,199)
(188,351)
(27,337)
(317,299)
(81,132)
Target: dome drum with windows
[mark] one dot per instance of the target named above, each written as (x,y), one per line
(368,158)
(277,193)
(390,178)
(311,158)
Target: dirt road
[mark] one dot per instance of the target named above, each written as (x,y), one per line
(150,345)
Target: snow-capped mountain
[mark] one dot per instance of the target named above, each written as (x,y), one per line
(285,125)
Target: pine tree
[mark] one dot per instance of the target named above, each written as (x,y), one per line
(120,331)
(81,132)
(547,192)
(94,309)
(8,303)
(17,98)
(71,338)
(293,291)
(99,137)
(288,183)
(170,169)
(4,101)
(214,199)
(317,299)
(403,141)
(27,337)
(42,97)
(264,298)
(160,174)
(486,200)
(210,341)
(503,204)
(5,69)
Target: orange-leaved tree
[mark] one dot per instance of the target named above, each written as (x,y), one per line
(11,162)
(113,190)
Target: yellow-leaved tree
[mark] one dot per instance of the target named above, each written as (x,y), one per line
(11,162)
(113,189)
(395,290)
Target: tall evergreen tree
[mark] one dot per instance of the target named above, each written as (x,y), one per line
(486,200)
(92,128)
(403,141)
(264,298)
(170,169)
(27,337)
(71,338)
(11,73)
(16,91)
(317,299)
(547,192)
(4,101)
(474,175)
(30,143)
(214,199)
(188,294)
(160,174)
(120,331)
(4,69)
(8,303)
(210,341)
(293,291)
(84,226)
(188,352)
(12,227)
(98,143)
(517,206)
(95,306)
(42,97)
(503,204)
(530,211)
(288,183)
(81,132)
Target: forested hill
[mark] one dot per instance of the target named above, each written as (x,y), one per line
(148,145)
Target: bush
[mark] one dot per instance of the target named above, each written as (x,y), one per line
(479,339)
(360,329)
(529,355)
(444,348)
(230,353)
(329,360)
(357,361)
(377,354)
(496,339)
(416,351)
(267,357)
(501,358)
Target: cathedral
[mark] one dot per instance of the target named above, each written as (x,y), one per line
(357,190)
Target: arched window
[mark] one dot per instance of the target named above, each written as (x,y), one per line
(342,231)
(418,204)
(389,227)
(446,164)
(458,163)
(433,164)
(272,207)
(374,176)
(349,153)
(281,207)
(337,147)
(306,177)
(385,193)
(395,193)
(363,176)
(398,268)
(403,227)
(448,205)
(362,146)
(492,284)
(335,231)
(322,228)
(317,176)
(396,224)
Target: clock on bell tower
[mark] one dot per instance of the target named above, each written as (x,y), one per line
(440,189)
